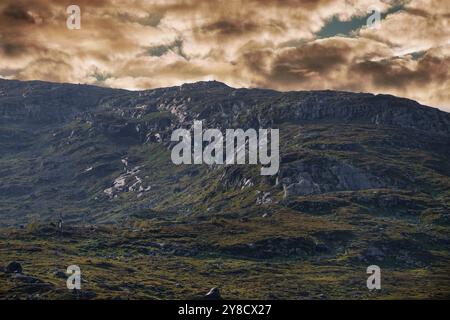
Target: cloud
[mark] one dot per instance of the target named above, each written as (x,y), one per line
(143,44)
(159,50)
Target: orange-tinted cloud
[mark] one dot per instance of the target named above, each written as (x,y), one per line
(265,43)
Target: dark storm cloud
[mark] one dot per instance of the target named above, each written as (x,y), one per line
(160,50)
(16,14)
(295,64)
(396,73)
(225,28)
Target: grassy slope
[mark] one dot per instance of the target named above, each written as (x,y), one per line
(208,225)
(129,261)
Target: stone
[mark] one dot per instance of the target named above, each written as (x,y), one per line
(14,267)
(213,294)
(60,274)
(26,279)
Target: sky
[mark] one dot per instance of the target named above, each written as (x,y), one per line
(277,44)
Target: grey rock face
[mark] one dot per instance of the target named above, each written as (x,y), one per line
(301,179)
(368,108)
(263,198)
(352,178)
(302,188)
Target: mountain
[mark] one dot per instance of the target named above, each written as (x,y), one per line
(101,154)
(363,178)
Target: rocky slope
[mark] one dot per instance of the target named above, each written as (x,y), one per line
(364,179)
(99,154)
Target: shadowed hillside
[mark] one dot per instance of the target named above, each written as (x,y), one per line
(364,179)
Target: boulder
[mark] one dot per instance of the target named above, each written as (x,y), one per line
(14,267)
(213,294)
(60,274)
(27,279)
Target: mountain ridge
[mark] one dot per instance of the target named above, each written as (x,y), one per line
(75,139)
(37,101)
(363,179)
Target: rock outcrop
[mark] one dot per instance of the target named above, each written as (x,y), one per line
(13,267)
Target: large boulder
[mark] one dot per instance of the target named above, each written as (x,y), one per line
(27,279)
(14,267)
